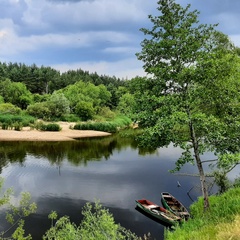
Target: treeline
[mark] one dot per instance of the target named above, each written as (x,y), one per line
(45,93)
(46,80)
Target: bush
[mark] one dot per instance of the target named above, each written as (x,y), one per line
(98,223)
(18,126)
(39,110)
(69,118)
(106,113)
(85,110)
(15,121)
(8,108)
(51,127)
(111,126)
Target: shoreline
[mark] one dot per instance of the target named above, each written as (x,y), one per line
(66,134)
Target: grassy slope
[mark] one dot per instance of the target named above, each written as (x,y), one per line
(222,221)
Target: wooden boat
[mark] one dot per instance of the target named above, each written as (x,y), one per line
(172,204)
(158,212)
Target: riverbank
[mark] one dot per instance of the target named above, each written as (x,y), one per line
(66,134)
(221,222)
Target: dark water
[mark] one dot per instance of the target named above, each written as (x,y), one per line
(63,176)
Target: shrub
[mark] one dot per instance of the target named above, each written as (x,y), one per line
(111,126)
(69,118)
(15,121)
(51,127)
(97,223)
(106,113)
(8,108)
(85,110)
(18,126)
(39,110)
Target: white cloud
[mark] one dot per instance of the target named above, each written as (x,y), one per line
(126,68)
(104,32)
(48,14)
(235,39)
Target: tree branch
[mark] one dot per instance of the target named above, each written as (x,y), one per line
(193,175)
(213,160)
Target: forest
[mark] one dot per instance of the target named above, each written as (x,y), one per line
(44,93)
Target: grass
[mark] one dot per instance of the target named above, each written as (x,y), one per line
(11,121)
(220,222)
(107,126)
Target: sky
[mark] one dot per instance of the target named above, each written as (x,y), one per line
(100,36)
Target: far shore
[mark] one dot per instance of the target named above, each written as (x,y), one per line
(66,134)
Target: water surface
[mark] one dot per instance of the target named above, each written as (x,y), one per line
(63,176)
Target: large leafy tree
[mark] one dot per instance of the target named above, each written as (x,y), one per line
(15,93)
(192,67)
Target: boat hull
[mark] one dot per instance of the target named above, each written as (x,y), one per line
(173,205)
(157,212)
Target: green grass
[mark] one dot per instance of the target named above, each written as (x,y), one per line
(113,126)
(50,127)
(10,121)
(217,223)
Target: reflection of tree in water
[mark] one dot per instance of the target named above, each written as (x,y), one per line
(77,152)
(11,153)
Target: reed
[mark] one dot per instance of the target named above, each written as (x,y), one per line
(9,121)
(113,126)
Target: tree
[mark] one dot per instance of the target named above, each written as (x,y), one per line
(188,61)
(85,110)
(126,104)
(16,214)
(8,108)
(97,223)
(58,105)
(15,93)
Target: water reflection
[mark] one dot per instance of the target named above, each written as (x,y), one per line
(63,176)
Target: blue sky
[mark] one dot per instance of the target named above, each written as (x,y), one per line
(94,35)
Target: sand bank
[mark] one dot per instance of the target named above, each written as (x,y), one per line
(66,134)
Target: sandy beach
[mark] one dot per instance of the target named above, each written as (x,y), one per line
(66,134)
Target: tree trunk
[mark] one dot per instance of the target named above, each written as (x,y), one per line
(200,167)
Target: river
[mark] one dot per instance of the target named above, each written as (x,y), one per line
(63,176)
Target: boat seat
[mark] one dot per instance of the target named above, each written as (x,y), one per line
(174,207)
(151,206)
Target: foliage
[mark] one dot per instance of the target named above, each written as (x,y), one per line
(194,67)
(15,121)
(16,214)
(108,126)
(55,107)
(15,93)
(126,104)
(221,218)
(84,110)
(1,99)
(58,105)
(9,108)
(105,113)
(236,182)
(97,223)
(87,93)
(39,110)
(69,118)
(44,80)
(51,127)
